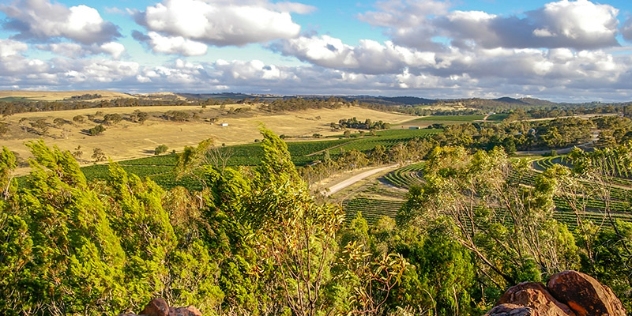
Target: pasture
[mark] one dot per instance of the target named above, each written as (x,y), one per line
(128,140)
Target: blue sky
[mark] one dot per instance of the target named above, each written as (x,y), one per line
(557,50)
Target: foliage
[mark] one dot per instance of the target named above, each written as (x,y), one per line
(160,149)
(97,130)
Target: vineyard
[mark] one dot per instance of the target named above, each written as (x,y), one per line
(598,203)
(372,209)
(161,168)
(406,177)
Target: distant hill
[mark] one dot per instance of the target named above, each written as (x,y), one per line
(391,100)
(220,96)
(511,100)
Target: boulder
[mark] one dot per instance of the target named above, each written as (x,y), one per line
(159,307)
(510,310)
(156,307)
(184,311)
(584,295)
(535,296)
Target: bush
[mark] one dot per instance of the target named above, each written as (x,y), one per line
(161,149)
(97,130)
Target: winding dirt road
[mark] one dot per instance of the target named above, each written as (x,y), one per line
(341,185)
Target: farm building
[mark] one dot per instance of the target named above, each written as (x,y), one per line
(413,127)
(223,124)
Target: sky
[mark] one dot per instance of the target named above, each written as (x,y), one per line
(565,51)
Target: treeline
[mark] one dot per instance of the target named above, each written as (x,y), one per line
(296,104)
(14,107)
(539,135)
(515,111)
(368,124)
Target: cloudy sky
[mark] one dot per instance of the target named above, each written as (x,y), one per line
(562,50)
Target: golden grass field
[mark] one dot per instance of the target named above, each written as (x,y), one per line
(61,95)
(128,140)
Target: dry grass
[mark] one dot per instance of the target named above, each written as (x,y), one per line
(61,95)
(127,140)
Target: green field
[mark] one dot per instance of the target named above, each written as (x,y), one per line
(497,117)
(161,168)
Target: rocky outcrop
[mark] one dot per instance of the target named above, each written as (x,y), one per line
(159,307)
(535,296)
(569,293)
(584,294)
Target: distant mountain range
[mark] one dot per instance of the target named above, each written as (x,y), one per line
(400,100)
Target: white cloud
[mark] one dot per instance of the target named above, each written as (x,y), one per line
(10,47)
(113,48)
(369,57)
(222,23)
(43,21)
(177,45)
(73,50)
(579,24)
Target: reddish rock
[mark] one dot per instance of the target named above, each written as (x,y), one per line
(184,311)
(585,295)
(510,310)
(156,307)
(159,307)
(535,296)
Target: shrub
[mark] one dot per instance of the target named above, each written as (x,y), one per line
(161,149)
(97,130)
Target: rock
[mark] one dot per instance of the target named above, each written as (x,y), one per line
(584,295)
(156,307)
(535,296)
(159,307)
(510,310)
(184,311)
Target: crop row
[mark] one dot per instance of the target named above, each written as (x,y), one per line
(372,209)
(406,177)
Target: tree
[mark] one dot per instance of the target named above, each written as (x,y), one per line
(98,155)
(41,125)
(71,260)
(4,128)
(77,153)
(161,149)
(97,130)
(474,192)
(111,119)
(78,119)
(296,236)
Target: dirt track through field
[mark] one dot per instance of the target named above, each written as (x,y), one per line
(341,185)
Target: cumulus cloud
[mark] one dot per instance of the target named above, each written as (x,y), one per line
(41,20)
(369,57)
(579,24)
(74,50)
(13,62)
(222,23)
(408,22)
(11,48)
(176,45)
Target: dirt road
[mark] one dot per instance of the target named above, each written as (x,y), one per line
(339,186)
